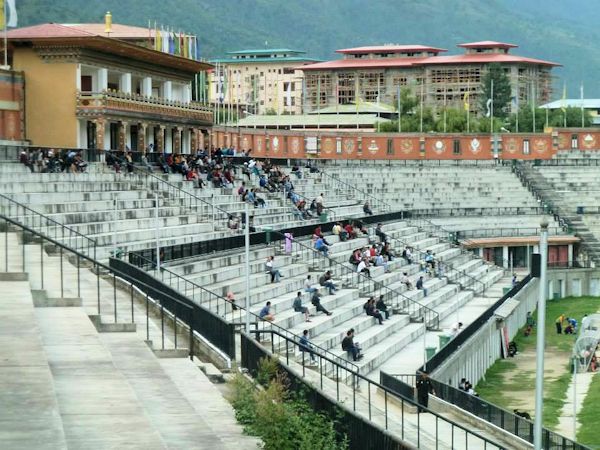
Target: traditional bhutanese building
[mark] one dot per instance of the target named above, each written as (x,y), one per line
(88,88)
(378,73)
(259,81)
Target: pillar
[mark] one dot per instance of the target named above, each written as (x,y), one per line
(147,87)
(187,93)
(141,141)
(125,83)
(505,262)
(177,140)
(102,80)
(570,255)
(168,90)
(480,251)
(194,140)
(159,146)
(122,135)
(100,125)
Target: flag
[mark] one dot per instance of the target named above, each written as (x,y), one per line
(466,101)
(177,43)
(185,46)
(164,40)
(171,43)
(8,7)
(564,98)
(488,104)
(157,39)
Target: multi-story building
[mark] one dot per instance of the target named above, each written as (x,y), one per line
(87,88)
(259,81)
(379,73)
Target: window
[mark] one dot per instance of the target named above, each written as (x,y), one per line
(526,146)
(288,71)
(574,144)
(390,146)
(456,147)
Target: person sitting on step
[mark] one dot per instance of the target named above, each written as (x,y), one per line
(325,280)
(316,301)
(265,313)
(299,308)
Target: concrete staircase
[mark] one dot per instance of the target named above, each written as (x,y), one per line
(66,385)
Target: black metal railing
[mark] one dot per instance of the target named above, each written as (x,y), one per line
(506,420)
(441,356)
(365,284)
(228,312)
(373,401)
(110,301)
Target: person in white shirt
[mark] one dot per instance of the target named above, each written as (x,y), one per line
(363,267)
(271,270)
(455,329)
(307,285)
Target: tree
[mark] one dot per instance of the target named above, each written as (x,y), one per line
(502,91)
(456,121)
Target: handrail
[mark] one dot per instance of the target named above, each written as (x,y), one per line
(98,268)
(237,316)
(386,393)
(31,214)
(500,417)
(429,316)
(385,206)
(448,266)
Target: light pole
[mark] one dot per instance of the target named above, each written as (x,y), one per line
(247,246)
(541,334)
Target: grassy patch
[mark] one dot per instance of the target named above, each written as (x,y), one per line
(504,377)
(589,416)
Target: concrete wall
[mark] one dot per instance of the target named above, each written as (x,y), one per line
(50,99)
(483,349)
(12,97)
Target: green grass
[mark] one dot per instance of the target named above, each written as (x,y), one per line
(498,381)
(589,416)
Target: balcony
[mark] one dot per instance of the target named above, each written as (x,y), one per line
(92,104)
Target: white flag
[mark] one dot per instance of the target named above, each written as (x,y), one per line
(11,10)
(489,108)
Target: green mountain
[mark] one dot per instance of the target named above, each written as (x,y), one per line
(556,30)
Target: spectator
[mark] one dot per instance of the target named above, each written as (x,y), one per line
(271,270)
(406,281)
(25,159)
(573,323)
(316,301)
(382,307)
(231,299)
(514,280)
(367,209)
(381,261)
(306,346)
(421,286)
(233,223)
(350,231)
(242,189)
(297,305)
(258,202)
(529,324)
(455,328)
(349,347)
(559,323)
(407,255)
(363,267)
(319,204)
(387,251)
(380,234)
(325,281)
(307,285)
(372,311)
(462,384)
(146,164)
(321,246)
(338,230)
(129,162)
(265,313)
(424,388)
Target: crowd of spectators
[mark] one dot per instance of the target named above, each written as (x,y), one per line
(49,160)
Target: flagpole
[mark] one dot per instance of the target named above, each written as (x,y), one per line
(5,37)
(421,109)
(378,95)
(445,104)
(533,103)
(492,107)
(399,112)
(319,102)
(582,107)
(468,106)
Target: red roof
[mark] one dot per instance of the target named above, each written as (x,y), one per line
(487,44)
(53,30)
(486,58)
(118,31)
(477,58)
(391,49)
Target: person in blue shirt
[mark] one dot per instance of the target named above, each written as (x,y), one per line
(306,346)
(265,313)
(321,246)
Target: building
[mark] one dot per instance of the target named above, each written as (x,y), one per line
(259,81)
(589,104)
(378,73)
(86,88)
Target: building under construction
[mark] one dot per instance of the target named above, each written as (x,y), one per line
(379,74)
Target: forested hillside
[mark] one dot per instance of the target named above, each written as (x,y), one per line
(557,30)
